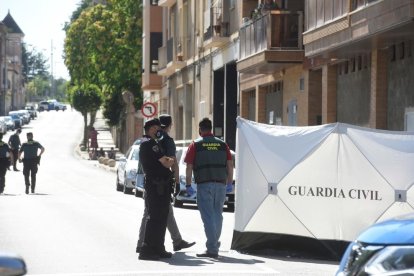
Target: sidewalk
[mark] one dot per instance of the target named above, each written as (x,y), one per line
(104,141)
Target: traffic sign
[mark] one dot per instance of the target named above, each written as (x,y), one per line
(149,109)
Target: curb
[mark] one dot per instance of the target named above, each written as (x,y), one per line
(84,155)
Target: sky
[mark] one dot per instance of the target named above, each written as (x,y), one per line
(42,21)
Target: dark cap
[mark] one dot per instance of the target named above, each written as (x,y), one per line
(152,122)
(165,120)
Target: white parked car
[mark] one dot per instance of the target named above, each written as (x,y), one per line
(3,125)
(127,170)
(9,122)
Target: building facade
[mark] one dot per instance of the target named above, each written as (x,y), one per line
(12,92)
(282,62)
(361,53)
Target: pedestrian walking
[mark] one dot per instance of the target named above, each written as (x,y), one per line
(93,136)
(158,178)
(5,156)
(14,143)
(168,145)
(210,160)
(31,160)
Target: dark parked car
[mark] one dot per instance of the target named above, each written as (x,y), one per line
(385,248)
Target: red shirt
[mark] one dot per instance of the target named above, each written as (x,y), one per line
(190,156)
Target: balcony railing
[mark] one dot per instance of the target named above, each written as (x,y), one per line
(162,58)
(170,57)
(276,30)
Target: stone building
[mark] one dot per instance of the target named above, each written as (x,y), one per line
(12,92)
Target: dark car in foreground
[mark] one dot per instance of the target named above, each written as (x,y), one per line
(385,248)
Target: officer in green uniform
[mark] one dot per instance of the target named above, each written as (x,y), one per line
(6,156)
(31,160)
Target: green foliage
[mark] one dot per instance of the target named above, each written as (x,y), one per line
(86,98)
(103,46)
(37,88)
(34,64)
(111,108)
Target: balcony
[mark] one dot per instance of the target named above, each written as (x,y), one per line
(271,43)
(377,25)
(170,60)
(216,32)
(166,3)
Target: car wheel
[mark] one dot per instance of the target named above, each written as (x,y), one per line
(177,202)
(127,191)
(118,186)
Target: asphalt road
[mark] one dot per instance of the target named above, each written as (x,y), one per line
(77,224)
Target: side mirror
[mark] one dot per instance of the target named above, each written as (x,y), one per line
(12,265)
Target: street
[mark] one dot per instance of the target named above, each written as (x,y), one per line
(77,224)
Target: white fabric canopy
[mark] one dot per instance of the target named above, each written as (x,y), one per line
(324,182)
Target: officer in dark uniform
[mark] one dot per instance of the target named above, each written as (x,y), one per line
(31,160)
(14,143)
(6,156)
(158,178)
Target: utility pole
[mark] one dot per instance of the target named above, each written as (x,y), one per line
(52,91)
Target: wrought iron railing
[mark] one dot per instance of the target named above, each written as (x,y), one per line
(276,30)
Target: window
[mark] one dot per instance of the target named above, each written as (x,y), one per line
(302,84)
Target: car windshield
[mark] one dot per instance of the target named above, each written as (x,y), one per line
(135,155)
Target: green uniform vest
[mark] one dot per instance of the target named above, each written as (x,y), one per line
(210,160)
(30,149)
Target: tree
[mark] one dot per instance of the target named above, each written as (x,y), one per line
(85,98)
(34,64)
(103,46)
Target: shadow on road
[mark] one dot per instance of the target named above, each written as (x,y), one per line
(182,259)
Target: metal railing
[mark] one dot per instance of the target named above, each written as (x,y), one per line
(276,30)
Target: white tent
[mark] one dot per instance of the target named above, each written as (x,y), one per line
(317,187)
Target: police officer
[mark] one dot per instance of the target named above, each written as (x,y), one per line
(168,145)
(158,178)
(31,160)
(14,143)
(5,156)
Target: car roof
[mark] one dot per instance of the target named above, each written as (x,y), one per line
(399,230)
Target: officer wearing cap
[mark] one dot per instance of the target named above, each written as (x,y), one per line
(158,176)
(168,145)
(31,160)
(5,156)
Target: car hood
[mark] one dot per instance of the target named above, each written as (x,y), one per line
(399,230)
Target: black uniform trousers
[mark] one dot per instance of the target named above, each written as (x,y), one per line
(30,170)
(15,153)
(4,165)
(157,201)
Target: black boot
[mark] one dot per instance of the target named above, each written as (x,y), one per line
(27,189)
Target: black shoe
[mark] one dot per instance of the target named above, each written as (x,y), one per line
(33,190)
(165,255)
(16,170)
(27,189)
(148,257)
(207,254)
(183,244)
(138,250)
